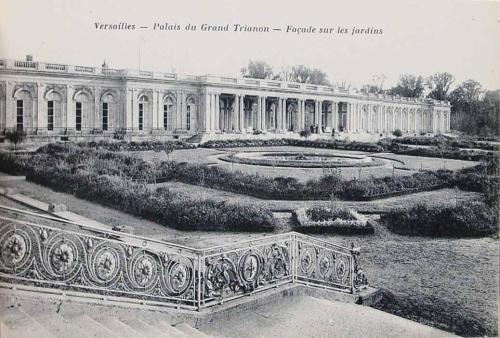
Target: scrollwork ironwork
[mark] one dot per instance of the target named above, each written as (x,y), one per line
(90,261)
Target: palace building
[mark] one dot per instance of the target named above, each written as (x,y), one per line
(53,101)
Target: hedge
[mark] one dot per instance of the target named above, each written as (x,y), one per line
(443,141)
(471,219)
(326,144)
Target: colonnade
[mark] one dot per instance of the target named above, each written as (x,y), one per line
(226,112)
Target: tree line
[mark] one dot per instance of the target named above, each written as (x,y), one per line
(474,110)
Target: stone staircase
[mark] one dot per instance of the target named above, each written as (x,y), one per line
(39,319)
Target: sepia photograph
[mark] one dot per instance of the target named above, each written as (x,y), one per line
(190,168)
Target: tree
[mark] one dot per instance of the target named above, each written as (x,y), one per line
(467,92)
(257,70)
(376,85)
(397,133)
(16,137)
(409,86)
(439,85)
(284,75)
(303,74)
(473,110)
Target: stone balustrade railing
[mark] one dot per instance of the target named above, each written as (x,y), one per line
(210,79)
(60,256)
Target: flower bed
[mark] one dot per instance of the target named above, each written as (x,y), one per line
(301,160)
(325,220)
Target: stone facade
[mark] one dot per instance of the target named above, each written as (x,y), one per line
(51,100)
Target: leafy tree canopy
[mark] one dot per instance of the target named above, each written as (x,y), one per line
(257,70)
(409,86)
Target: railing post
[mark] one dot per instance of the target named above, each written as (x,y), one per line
(295,251)
(199,282)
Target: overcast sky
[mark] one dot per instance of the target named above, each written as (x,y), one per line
(419,37)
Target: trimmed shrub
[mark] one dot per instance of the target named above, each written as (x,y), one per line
(471,219)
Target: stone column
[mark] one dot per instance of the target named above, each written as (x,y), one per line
(334,115)
(10,106)
(217,112)
(300,124)
(279,120)
(401,119)
(259,113)
(236,113)
(320,116)
(415,121)
(155,109)
(264,113)
(129,110)
(212,112)
(70,109)
(355,117)
(380,119)
(241,112)
(348,117)
(298,119)
(39,116)
(206,112)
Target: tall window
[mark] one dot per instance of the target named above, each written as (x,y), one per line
(104,116)
(78,116)
(20,114)
(141,115)
(50,115)
(188,117)
(166,111)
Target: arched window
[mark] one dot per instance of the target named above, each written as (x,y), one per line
(19,114)
(190,112)
(24,109)
(168,110)
(81,107)
(143,100)
(53,110)
(107,105)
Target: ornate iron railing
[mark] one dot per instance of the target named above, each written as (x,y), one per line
(68,256)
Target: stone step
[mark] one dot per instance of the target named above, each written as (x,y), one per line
(58,326)
(92,328)
(190,331)
(119,328)
(166,328)
(144,328)
(20,324)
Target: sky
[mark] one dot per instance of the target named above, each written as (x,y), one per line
(419,37)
